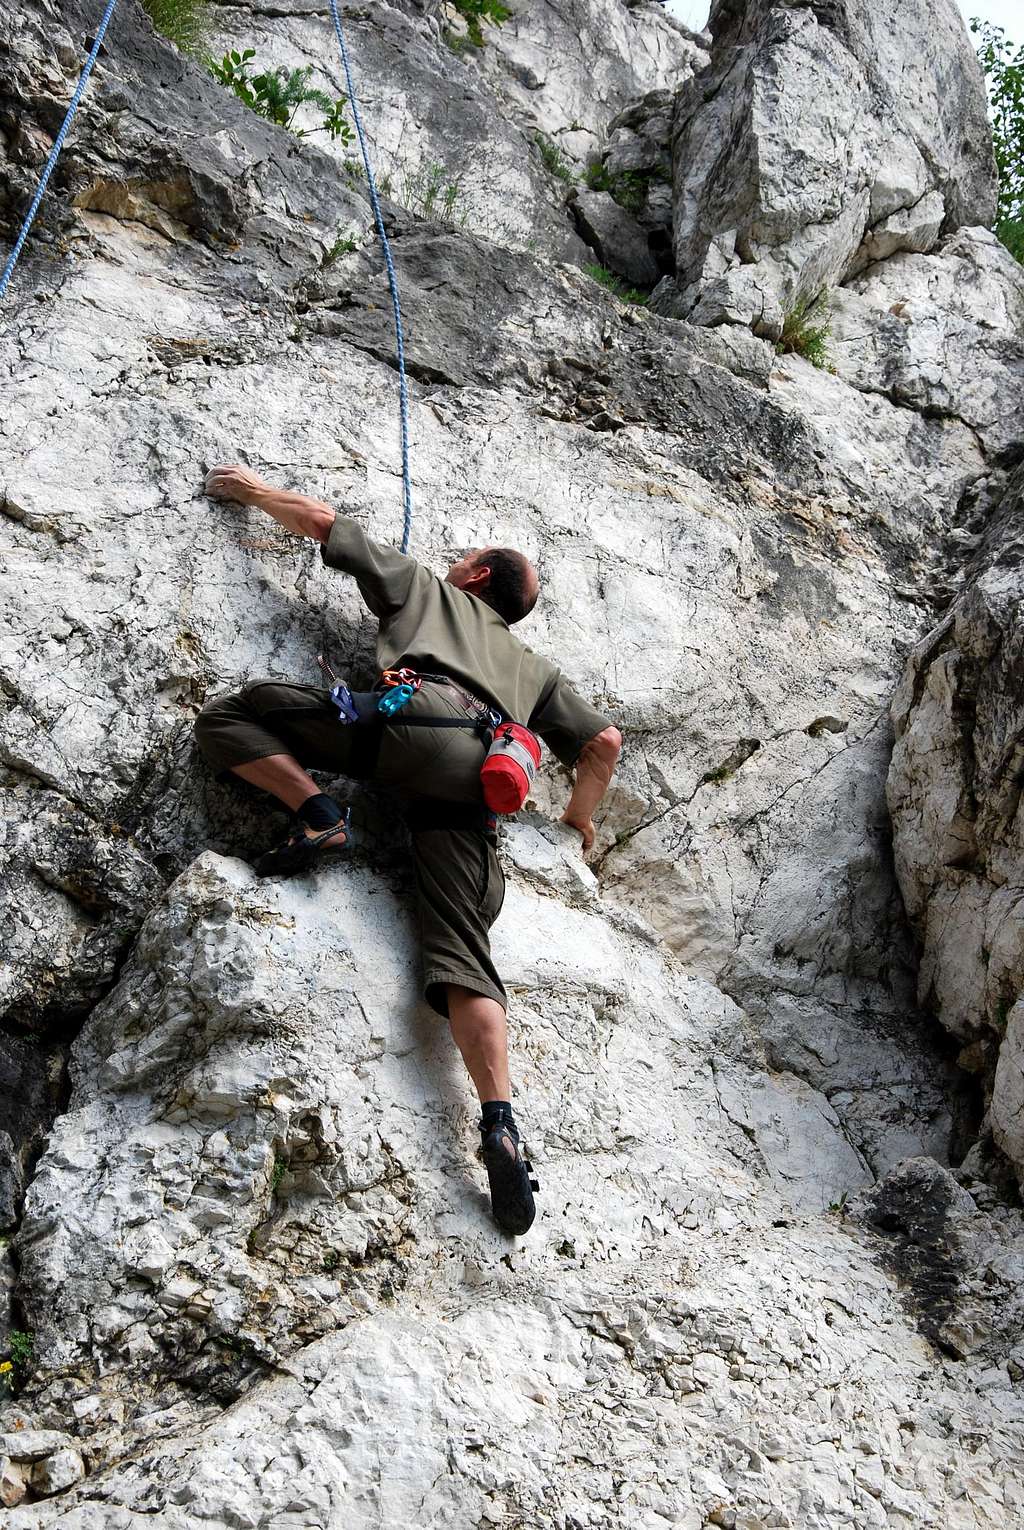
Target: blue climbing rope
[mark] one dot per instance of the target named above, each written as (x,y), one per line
(58,144)
(403,388)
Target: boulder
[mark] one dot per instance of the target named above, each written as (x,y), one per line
(767,212)
(940,333)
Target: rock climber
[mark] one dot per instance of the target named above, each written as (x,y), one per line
(456,631)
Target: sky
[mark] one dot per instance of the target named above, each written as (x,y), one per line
(1005,13)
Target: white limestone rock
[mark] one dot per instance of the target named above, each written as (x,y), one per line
(358,1307)
(954,797)
(256,1252)
(767,212)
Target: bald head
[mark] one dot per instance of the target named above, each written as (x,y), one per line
(501,577)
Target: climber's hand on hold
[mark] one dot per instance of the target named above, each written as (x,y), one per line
(235,482)
(584,826)
(297,513)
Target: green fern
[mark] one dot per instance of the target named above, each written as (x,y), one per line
(277,94)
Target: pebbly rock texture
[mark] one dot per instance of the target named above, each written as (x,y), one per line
(250,1239)
(954,789)
(822,138)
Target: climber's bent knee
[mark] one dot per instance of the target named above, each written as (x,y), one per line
(277,717)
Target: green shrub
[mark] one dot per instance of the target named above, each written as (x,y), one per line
(277,94)
(1003,63)
(805,332)
(475,11)
(186,23)
(627,187)
(614,285)
(551,158)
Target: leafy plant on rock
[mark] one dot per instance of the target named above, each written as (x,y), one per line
(627,187)
(1003,63)
(277,94)
(551,158)
(186,23)
(805,332)
(473,12)
(15,1369)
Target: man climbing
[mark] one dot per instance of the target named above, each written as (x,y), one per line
(453,635)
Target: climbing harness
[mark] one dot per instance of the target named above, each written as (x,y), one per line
(403,387)
(54,155)
(512,755)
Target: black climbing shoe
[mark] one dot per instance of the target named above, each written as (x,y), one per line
(509,1175)
(299,852)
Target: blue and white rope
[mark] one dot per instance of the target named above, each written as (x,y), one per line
(403,388)
(58,144)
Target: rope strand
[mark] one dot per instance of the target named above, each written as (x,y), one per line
(58,144)
(403,387)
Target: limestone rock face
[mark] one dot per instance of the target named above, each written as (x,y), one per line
(823,137)
(954,793)
(774,1279)
(942,333)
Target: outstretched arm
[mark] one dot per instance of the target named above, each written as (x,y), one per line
(386,577)
(594,770)
(297,513)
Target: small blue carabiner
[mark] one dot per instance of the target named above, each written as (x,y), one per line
(395,698)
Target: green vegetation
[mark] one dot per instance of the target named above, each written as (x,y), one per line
(15,1369)
(331,1259)
(1003,63)
(433,192)
(277,94)
(278,1172)
(805,332)
(343,245)
(839,1206)
(614,285)
(473,12)
(551,158)
(186,23)
(627,187)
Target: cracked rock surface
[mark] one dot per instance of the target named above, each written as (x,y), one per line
(776,1276)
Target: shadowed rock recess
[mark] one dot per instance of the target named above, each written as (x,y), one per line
(777,1279)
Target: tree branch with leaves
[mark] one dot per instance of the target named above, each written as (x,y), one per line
(1003,63)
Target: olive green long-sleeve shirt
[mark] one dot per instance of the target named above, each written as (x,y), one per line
(432,626)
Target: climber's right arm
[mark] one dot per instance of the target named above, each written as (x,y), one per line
(297,513)
(594,770)
(384,575)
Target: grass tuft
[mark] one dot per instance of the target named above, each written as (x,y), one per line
(806,330)
(618,288)
(551,158)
